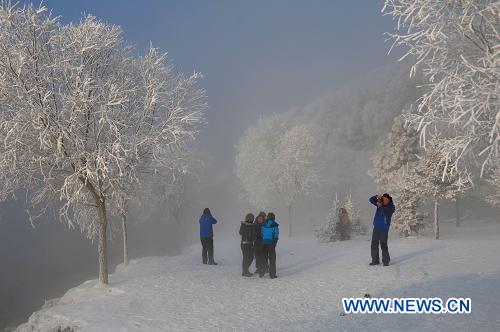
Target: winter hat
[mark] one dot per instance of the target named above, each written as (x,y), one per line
(262,214)
(249,218)
(271,216)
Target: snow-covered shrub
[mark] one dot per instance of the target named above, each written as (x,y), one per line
(326,233)
(357,226)
(339,225)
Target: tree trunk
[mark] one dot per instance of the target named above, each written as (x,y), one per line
(102,248)
(436,219)
(125,240)
(457,212)
(290,221)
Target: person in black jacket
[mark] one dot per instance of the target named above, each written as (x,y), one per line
(247,232)
(260,261)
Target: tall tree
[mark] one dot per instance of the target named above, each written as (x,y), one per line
(293,167)
(438,182)
(276,161)
(82,116)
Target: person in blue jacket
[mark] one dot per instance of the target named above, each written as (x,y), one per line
(270,234)
(381,225)
(207,237)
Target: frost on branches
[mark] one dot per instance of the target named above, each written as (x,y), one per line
(82,116)
(437,180)
(494,180)
(415,175)
(357,226)
(456,45)
(276,161)
(393,171)
(327,232)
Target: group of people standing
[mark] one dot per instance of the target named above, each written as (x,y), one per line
(259,237)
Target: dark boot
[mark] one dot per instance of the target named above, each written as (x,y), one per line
(210,247)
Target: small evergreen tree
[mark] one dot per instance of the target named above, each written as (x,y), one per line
(357,226)
(339,224)
(326,233)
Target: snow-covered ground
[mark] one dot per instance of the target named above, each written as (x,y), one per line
(179,293)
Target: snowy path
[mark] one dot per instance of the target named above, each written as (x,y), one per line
(178,293)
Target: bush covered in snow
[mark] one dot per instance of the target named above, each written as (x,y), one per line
(343,221)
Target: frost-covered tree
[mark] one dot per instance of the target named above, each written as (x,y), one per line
(437,181)
(339,225)
(415,176)
(494,180)
(357,225)
(409,200)
(275,161)
(327,232)
(456,45)
(294,171)
(254,157)
(82,116)
(394,171)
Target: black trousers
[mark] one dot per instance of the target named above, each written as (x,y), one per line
(208,249)
(269,251)
(379,236)
(247,251)
(260,260)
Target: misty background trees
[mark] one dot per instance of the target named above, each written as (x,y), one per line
(443,101)
(277,163)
